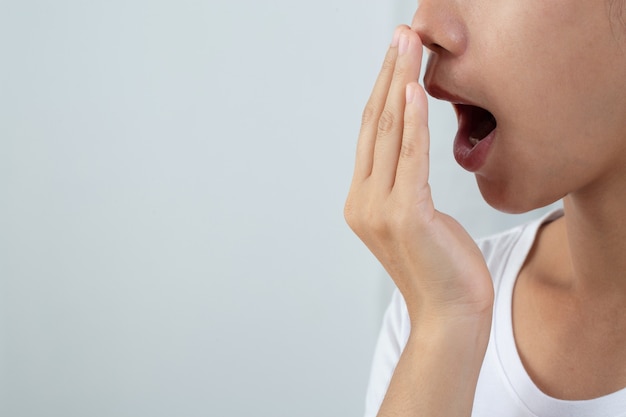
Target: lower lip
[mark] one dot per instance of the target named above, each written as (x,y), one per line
(471,157)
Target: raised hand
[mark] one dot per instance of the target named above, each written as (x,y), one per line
(433,261)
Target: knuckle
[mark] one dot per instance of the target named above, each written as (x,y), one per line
(355,217)
(349,214)
(399,70)
(407,149)
(376,221)
(365,220)
(389,63)
(369,115)
(386,121)
(410,123)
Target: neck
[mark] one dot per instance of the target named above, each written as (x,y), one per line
(595,232)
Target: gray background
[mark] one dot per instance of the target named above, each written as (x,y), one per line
(172,177)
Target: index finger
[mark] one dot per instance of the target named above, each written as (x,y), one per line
(373,110)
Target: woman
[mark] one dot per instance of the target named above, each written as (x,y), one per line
(531,322)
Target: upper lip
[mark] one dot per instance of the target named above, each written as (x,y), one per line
(441,93)
(458,102)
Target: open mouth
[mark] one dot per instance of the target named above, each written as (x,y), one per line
(475,123)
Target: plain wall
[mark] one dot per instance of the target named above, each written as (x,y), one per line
(172,178)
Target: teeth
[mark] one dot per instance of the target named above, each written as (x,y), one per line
(474,141)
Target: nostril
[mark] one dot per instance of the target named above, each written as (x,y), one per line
(441,29)
(435,46)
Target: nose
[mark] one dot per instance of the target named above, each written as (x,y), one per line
(440,26)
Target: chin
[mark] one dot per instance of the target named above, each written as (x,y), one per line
(510,199)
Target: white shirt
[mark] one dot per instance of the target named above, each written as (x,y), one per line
(504,387)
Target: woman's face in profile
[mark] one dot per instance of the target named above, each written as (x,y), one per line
(552,74)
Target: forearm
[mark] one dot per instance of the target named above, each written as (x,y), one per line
(437,373)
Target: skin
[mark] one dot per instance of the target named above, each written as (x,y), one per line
(554,76)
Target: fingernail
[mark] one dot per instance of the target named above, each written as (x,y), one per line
(403,44)
(410,93)
(396,36)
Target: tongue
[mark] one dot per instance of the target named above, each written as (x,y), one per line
(482,128)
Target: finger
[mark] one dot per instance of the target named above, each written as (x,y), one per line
(391,121)
(373,109)
(411,180)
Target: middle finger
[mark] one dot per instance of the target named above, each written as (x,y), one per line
(391,121)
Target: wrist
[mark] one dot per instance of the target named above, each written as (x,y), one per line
(451,318)
(455,333)
(438,370)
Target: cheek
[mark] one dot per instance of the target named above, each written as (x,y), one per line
(557,82)
(544,44)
